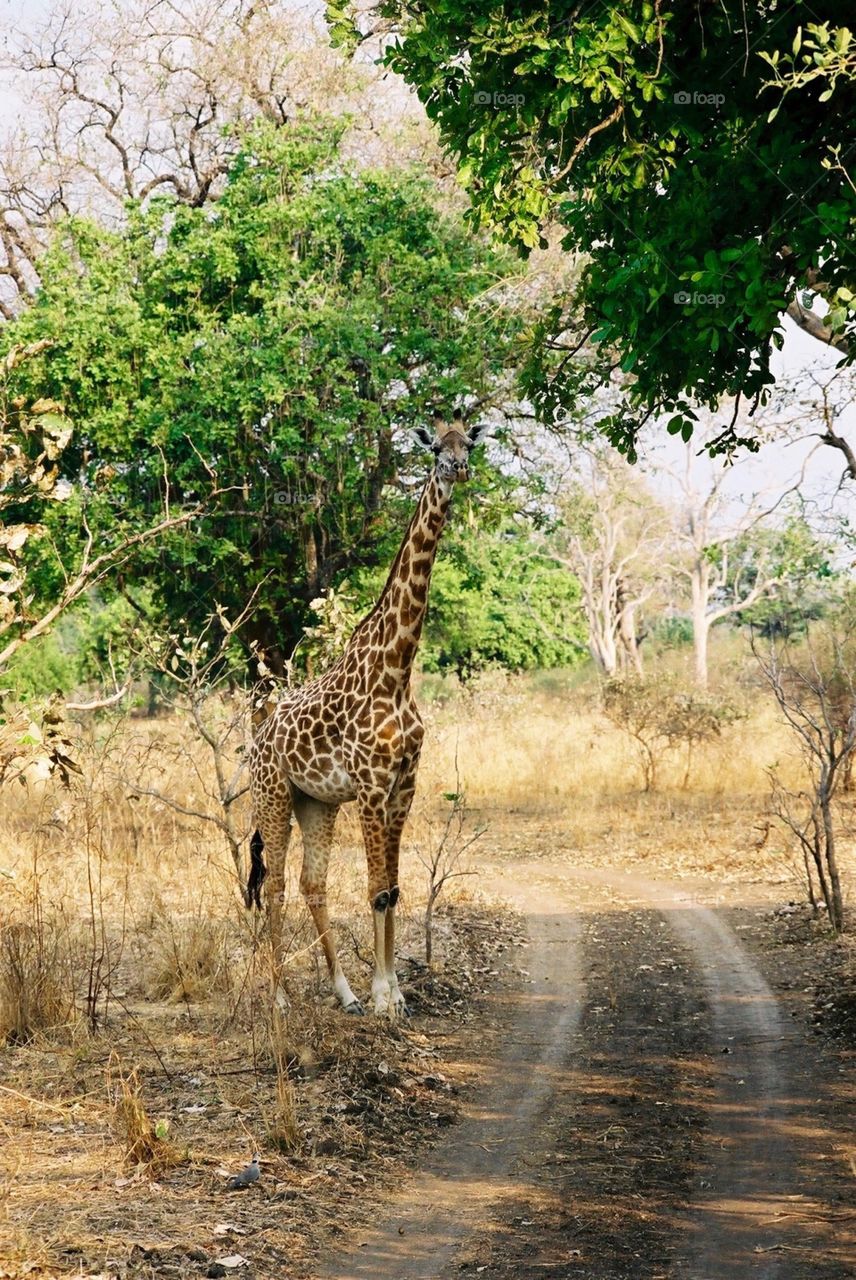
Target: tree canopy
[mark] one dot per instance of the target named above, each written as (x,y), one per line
(273,345)
(700,157)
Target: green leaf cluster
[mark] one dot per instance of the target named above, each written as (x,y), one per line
(496,602)
(703,197)
(275,345)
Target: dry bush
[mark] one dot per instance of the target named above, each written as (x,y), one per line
(36,985)
(190,959)
(145,1144)
(660,716)
(34,991)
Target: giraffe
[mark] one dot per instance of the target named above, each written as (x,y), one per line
(355,734)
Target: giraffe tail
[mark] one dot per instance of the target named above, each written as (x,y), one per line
(258,871)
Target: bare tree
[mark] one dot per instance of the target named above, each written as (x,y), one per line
(709,527)
(131,98)
(199,671)
(612,538)
(441,856)
(811,405)
(810,694)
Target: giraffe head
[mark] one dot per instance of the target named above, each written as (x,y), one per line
(451,445)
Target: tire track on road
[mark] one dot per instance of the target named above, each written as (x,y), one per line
(736,1226)
(471,1176)
(476,1186)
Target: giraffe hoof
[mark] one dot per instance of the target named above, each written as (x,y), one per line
(355,1009)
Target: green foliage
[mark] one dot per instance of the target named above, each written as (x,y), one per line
(673,632)
(495,602)
(272,345)
(799,560)
(39,669)
(83,647)
(705,195)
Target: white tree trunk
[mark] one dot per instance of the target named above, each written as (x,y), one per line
(701,621)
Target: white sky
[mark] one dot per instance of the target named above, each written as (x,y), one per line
(775,465)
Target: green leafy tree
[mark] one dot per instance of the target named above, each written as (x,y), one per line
(801,564)
(696,155)
(272,345)
(496,600)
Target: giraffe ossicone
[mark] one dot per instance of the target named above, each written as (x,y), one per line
(355,734)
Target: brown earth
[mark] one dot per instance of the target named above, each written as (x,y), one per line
(630,1066)
(657,1103)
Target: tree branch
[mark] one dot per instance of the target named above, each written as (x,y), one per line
(813,325)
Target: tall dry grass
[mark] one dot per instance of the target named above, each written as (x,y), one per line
(121,890)
(518,746)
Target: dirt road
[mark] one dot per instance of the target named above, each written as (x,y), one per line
(645,1109)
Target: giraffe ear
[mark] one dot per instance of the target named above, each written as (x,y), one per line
(478,434)
(423,437)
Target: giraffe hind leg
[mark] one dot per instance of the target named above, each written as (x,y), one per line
(317,821)
(273,815)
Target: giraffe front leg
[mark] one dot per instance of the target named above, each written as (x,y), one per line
(399,808)
(373,822)
(397,1003)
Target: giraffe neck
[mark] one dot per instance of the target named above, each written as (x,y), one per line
(400,611)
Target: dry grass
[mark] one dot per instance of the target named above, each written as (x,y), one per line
(122,931)
(283,1133)
(518,747)
(145,1142)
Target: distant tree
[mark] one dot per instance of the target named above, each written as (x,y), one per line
(158,98)
(736,561)
(611,536)
(802,564)
(695,155)
(495,601)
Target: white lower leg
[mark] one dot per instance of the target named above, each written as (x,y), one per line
(380,981)
(317,903)
(396,999)
(343,988)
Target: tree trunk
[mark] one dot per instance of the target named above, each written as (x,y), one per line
(835,901)
(603,652)
(701,624)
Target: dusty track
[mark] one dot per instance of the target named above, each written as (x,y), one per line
(735,1227)
(639,1115)
(472,1177)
